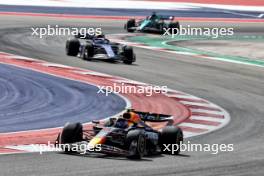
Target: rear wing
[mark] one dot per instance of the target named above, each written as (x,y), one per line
(154,117)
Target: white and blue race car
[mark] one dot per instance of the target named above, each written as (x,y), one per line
(98,47)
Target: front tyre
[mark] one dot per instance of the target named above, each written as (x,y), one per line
(129,56)
(135,144)
(130,25)
(72,47)
(71,133)
(88,52)
(171,135)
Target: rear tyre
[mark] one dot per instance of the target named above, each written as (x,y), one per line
(130,24)
(72,47)
(171,135)
(135,144)
(88,52)
(71,133)
(174,27)
(129,56)
(160,26)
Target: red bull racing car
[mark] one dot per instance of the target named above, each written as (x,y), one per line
(127,135)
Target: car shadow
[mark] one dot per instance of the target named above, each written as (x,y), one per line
(148,158)
(110,62)
(104,156)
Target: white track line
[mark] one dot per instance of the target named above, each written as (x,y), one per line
(184,96)
(212,119)
(56,65)
(193,103)
(207,111)
(196,125)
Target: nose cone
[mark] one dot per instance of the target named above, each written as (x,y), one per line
(97,140)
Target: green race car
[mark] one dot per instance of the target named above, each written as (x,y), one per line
(152,24)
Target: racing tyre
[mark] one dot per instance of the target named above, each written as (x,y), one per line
(71,133)
(129,55)
(135,144)
(171,135)
(175,26)
(88,52)
(72,47)
(130,24)
(160,26)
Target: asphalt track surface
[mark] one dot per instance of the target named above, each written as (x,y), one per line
(237,88)
(31,100)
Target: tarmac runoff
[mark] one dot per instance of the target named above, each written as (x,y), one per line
(177,46)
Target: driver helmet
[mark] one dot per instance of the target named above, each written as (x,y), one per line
(153,16)
(100,36)
(132,117)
